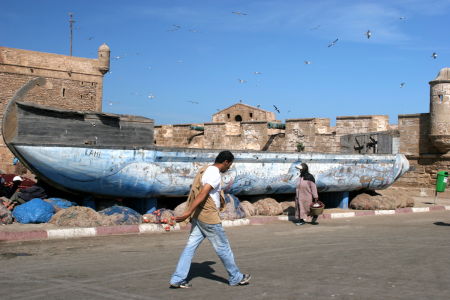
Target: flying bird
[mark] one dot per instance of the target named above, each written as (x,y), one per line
(402,84)
(276,108)
(402,18)
(110,103)
(193,102)
(175,28)
(151,96)
(315,28)
(434,55)
(242,81)
(239,13)
(257,73)
(307,62)
(368,34)
(333,43)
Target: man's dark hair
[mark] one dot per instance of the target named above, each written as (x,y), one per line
(223,156)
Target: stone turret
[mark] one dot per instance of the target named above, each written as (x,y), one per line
(103,58)
(440,111)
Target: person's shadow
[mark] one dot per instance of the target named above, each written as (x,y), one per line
(441,224)
(204,270)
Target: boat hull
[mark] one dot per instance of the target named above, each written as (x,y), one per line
(147,173)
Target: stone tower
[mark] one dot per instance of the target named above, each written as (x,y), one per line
(103,58)
(440,111)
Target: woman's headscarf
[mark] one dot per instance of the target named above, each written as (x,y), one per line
(304,173)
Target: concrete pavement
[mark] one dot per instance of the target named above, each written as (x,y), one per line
(401,256)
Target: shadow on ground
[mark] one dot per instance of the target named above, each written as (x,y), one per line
(441,224)
(204,270)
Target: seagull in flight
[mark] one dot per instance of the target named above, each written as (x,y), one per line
(315,28)
(151,96)
(110,103)
(239,13)
(333,43)
(368,34)
(307,62)
(257,73)
(402,84)
(434,55)
(402,18)
(193,102)
(242,81)
(276,108)
(175,28)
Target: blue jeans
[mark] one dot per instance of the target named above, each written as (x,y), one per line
(216,235)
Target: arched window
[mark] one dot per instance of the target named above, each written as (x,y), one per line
(238,118)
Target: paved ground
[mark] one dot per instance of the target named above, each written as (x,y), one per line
(404,256)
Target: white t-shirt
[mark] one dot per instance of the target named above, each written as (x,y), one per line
(213,178)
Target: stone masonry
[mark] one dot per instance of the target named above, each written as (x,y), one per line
(71,83)
(316,134)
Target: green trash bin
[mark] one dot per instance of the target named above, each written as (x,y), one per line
(441,181)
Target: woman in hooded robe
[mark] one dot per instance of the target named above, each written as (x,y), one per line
(305,195)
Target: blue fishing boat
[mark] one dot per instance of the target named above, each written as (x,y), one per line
(114,155)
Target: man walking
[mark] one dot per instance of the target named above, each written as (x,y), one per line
(203,206)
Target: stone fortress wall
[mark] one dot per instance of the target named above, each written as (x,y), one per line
(71,83)
(424,137)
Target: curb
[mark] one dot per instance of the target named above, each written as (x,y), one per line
(67,233)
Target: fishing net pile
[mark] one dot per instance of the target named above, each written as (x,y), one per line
(120,215)
(381,200)
(160,216)
(59,203)
(233,209)
(248,208)
(78,216)
(5,214)
(268,207)
(34,211)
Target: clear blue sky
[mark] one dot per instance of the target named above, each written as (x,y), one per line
(169,55)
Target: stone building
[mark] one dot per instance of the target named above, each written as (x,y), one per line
(72,82)
(240,112)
